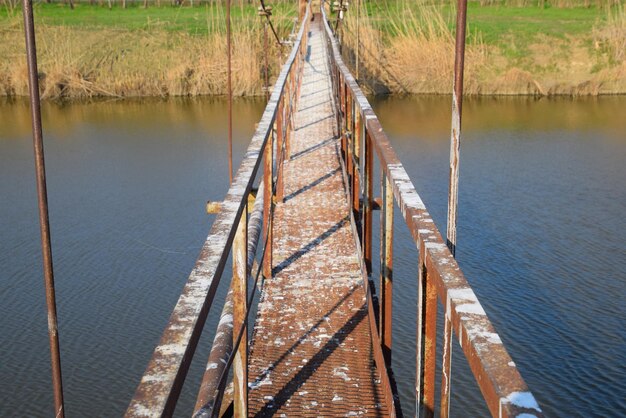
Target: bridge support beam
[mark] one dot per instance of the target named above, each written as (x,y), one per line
(240,308)
(368,189)
(386,265)
(268,197)
(426,340)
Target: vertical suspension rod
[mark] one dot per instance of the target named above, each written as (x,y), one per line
(453,194)
(42,195)
(455,137)
(267,67)
(230,96)
(358,40)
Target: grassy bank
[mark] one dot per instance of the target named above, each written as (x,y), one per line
(571,47)
(514,47)
(180,51)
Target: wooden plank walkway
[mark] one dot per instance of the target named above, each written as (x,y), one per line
(312,350)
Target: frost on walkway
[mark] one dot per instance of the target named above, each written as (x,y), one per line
(311,351)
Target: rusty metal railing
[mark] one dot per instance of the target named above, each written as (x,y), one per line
(237,231)
(439,275)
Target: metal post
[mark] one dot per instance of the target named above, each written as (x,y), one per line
(267,67)
(240,307)
(289,123)
(358,41)
(209,398)
(455,137)
(368,188)
(430,347)
(280,142)
(230,96)
(355,138)
(42,195)
(446,377)
(386,265)
(268,197)
(419,357)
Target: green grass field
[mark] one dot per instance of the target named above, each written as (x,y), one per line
(194,20)
(543,48)
(495,24)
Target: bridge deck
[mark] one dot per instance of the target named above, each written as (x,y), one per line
(312,349)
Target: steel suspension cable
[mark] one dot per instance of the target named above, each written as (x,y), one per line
(280,44)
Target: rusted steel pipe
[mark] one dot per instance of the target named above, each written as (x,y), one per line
(386,266)
(160,386)
(208,396)
(379,358)
(504,390)
(368,187)
(455,137)
(42,196)
(358,40)
(280,146)
(430,347)
(419,355)
(230,95)
(266,64)
(268,197)
(446,364)
(240,309)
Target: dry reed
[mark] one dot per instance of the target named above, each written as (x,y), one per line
(611,36)
(79,63)
(414,54)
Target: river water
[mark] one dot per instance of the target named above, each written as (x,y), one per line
(541,240)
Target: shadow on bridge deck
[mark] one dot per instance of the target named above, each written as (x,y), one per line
(312,351)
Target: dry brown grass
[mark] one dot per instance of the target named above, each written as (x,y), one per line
(610,37)
(77,63)
(417,56)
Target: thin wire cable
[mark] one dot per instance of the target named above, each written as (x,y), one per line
(280,44)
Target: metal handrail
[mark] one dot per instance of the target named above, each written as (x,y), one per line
(160,386)
(501,384)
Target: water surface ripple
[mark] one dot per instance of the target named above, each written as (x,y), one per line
(541,240)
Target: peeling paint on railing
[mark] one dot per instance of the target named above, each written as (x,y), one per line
(160,386)
(495,372)
(208,397)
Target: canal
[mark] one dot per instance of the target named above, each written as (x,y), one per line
(541,240)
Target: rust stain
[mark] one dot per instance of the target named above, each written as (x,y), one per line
(160,386)
(503,388)
(312,348)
